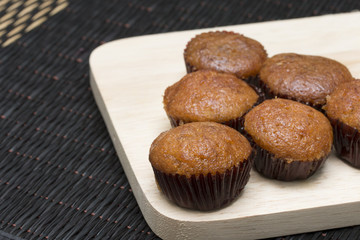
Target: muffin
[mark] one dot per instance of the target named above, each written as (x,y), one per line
(343,110)
(292,140)
(227,52)
(209,96)
(303,78)
(201,165)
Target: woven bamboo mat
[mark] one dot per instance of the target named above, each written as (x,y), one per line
(60,177)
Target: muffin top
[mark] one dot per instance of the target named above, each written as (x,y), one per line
(199,148)
(208,96)
(344,104)
(290,130)
(303,77)
(225,52)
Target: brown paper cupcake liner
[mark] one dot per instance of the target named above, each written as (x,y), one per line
(205,192)
(346,142)
(269,94)
(190,68)
(254,82)
(276,168)
(237,123)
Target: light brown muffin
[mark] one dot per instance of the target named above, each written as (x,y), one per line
(292,139)
(227,52)
(201,165)
(343,110)
(344,104)
(304,78)
(209,96)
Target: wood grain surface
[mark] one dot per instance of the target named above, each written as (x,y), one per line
(128,78)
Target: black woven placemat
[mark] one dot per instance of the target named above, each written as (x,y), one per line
(60,177)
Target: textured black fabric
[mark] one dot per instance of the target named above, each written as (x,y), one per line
(60,177)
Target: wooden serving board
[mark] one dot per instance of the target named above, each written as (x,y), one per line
(128,78)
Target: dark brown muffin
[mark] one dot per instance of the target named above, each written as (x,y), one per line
(343,110)
(209,96)
(304,78)
(227,52)
(292,140)
(201,165)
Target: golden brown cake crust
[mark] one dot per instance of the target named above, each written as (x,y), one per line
(344,104)
(225,52)
(303,77)
(290,130)
(199,148)
(208,96)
